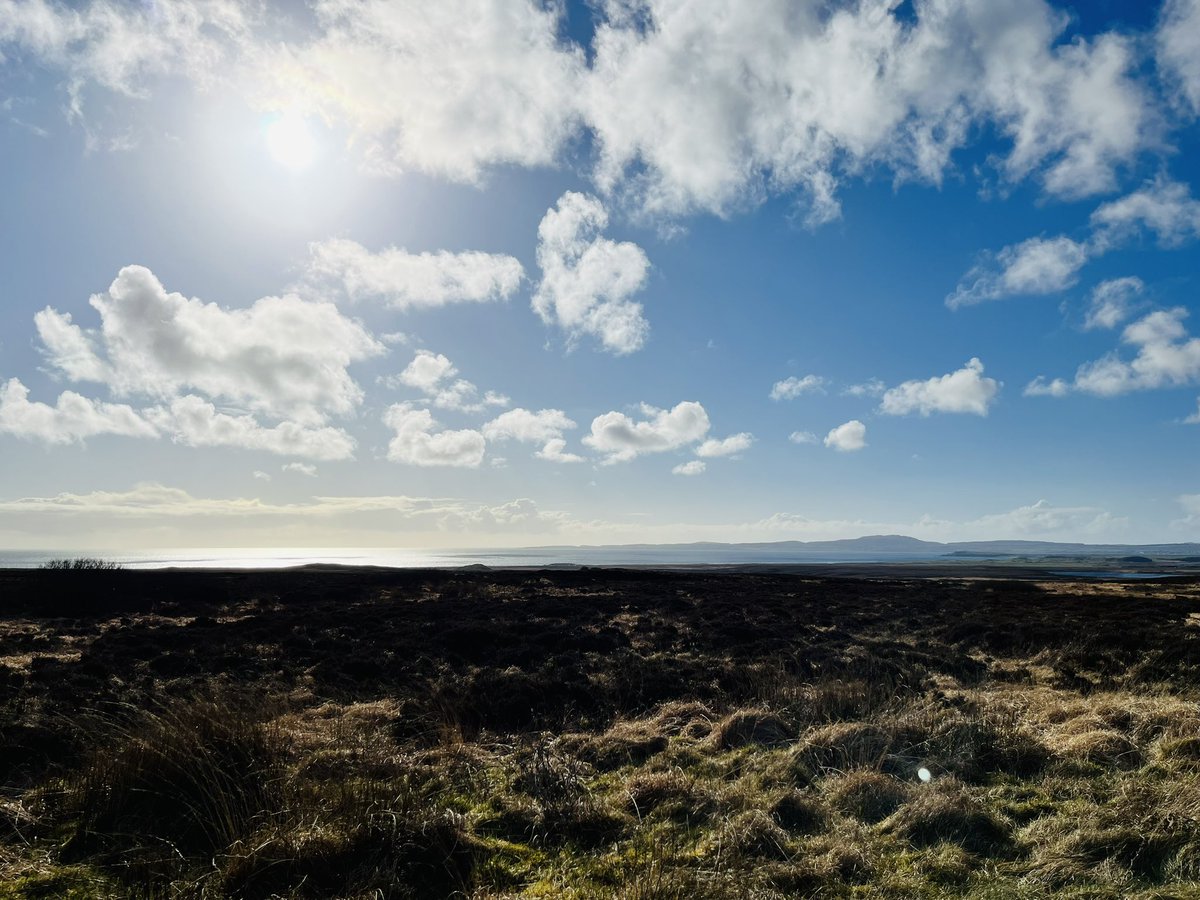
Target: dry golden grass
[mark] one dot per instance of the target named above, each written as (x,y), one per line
(639,736)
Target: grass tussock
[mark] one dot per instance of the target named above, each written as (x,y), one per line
(595,735)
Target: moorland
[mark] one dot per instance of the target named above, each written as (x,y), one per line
(596,733)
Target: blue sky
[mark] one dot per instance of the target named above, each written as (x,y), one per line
(493,272)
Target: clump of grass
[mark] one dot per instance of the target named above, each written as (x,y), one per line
(183,781)
(625,743)
(841,747)
(567,811)
(752,835)
(670,794)
(947,812)
(369,850)
(868,796)
(798,813)
(748,727)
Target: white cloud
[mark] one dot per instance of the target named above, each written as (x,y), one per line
(793,387)
(802,437)
(194,422)
(68,347)
(709,107)
(735,443)
(554,450)
(417,443)
(1166,355)
(1036,266)
(121,46)
(1194,418)
(1111,302)
(693,467)
(1049,265)
(870,388)
(282,356)
(406,280)
(963,391)
(621,439)
(434,375)
(71,419)
(1178,49)
(847,437)
(543,427)
(587,279)
(693,106)
(449,88)
(1044,519)
(1040,387)
(308,471)
(528,426)
(1165,207)
(260,475)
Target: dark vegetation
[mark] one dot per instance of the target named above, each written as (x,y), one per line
(591,734)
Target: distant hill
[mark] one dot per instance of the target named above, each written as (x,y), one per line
(899,544)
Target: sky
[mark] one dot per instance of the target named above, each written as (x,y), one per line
(506,273)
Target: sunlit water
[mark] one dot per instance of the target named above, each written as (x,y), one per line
(284,557)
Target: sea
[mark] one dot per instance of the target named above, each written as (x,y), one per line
(534,557)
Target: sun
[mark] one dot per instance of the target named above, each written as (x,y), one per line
(290,141)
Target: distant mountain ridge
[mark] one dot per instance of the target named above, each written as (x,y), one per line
(900,543)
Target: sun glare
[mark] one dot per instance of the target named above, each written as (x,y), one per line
(290,141)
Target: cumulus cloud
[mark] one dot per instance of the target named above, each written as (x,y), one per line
(555,450)
(1036,266)
(1194,418)
(870,388)
(735,443)
(693,467)
(1111,302)
(621,439)
(404,280)
(69,349)
(587,280)
(1166,355)
(72,418)
(711,108)
(802,437)
(847,437)
(305,469)
(1040,387)
(543,427)
(1178,49)
(1164,207)
(419,441)
(121,46)
(694,107)
(1048,265)
(963,391)
(282,356)
(434,375)
(1043,518)
(194,422)
(419,89)
(793,387)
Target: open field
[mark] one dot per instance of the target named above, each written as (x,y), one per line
(596,733)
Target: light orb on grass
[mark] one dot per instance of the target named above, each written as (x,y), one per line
(925,775)
(290,141)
